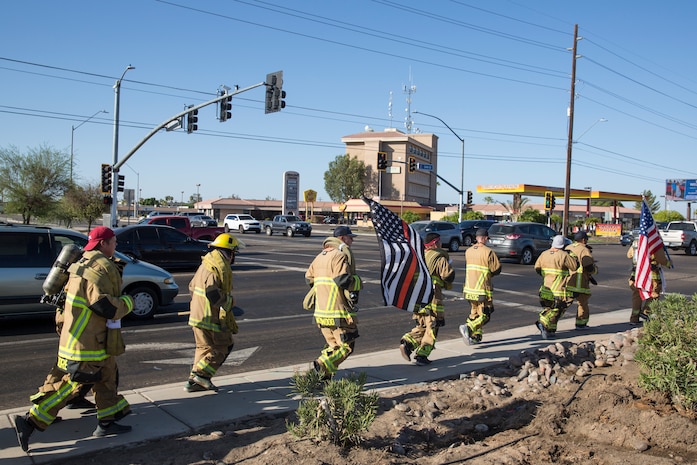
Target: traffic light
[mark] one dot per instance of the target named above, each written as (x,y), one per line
(107,200)
(225,107)
(382,161)
(274,92)
(121,183)
(412,164)
(191,120)
(548,200)
(469,198)
(554,202)
(106,178)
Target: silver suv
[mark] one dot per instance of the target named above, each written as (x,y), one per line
(523,242)
(450,236)
(242,223)
(27,254)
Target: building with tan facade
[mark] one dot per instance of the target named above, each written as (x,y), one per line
(396,182)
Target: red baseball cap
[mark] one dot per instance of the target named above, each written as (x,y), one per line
(100,233)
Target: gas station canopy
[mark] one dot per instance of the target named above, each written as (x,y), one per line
(530,189)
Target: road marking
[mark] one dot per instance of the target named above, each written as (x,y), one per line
(236,357)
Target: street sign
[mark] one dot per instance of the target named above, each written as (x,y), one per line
(393,169)
(425,166)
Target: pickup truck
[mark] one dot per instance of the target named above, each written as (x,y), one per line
(290,225)
(183,223)
(680,235)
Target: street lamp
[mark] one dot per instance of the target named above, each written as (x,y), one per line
(72,139)
(114,171)
(198,198)
(462,163)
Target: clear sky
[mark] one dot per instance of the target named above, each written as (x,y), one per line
(497,72)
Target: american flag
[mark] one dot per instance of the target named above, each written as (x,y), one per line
(405,280)
(649,243)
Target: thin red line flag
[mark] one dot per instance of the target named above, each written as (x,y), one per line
(405,279)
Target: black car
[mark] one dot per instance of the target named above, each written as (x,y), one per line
(161,245)
(468,230)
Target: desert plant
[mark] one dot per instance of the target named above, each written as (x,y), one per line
(667,351)
(334,410)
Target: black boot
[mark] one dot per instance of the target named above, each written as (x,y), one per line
(109,428)
(24,429)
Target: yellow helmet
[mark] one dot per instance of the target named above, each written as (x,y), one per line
(225,241)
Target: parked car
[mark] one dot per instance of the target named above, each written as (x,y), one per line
(241,223)
(27,254)
(523,242)
(190,213)
(468,230)
(449,232)
(156,213)
(202,221)
(330,220)
(161,245)
(628,237)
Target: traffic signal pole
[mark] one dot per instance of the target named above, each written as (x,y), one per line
(178,118)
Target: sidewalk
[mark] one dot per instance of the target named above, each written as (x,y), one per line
(164,411)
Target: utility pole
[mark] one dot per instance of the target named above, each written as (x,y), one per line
(570,142)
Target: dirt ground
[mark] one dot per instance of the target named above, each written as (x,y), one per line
(566,404)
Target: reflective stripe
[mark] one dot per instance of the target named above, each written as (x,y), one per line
(40,411)
(206,322)
(113,410)
(478,288)
(331,310)
(71,349)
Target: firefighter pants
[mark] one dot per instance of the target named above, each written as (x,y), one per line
(422,338)
(111,406)
(212,349)
(583,310)
(480,314)
(340,341)
(642,306)
(553,311)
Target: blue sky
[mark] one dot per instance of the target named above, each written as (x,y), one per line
(497,72)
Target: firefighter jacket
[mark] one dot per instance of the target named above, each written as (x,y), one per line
(93,296)
(481,264)
(211,294)
(555,265)
(442,277)
(330,276)
(579,279)
(657,259)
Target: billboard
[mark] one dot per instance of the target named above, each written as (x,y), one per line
(681,189)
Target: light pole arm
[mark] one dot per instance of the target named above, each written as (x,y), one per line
(164,124)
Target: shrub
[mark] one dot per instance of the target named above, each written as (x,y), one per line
(667,352)
(334,410)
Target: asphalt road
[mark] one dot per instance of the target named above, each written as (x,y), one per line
(274,329)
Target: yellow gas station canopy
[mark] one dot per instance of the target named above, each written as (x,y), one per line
(530,189)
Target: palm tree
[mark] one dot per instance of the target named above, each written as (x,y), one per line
(515,206)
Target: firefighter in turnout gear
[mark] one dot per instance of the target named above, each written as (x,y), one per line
(422,338)
(481,264)
(335,287)
(94,306)
(640,308)
(581,278)
(555,266)
(211,317)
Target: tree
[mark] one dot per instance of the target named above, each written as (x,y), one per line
(515,206)
(530,214)
(668,215)
(410,216)
(489,200)
(33,183)
(651,201)
(82,203)
(345,179)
